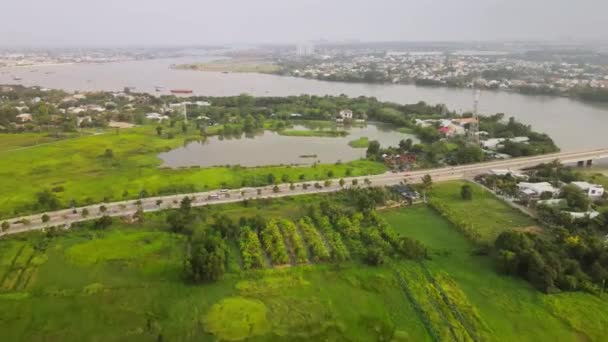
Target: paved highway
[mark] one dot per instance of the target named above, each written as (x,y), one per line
(123,208)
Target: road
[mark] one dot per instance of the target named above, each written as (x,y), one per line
(123,208)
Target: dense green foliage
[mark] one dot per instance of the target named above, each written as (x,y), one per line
(207,258)
(569,262)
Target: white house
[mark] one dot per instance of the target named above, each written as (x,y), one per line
(346,114)
(592,190)
(156,116)
(534,190)
(76,110)
(202,103)
(424,123)
(580,215)
(95,108)
(505,172)
(25,117)
(495,142)
(84,119)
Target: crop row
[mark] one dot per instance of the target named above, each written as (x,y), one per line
(274,244)
(251,249)
(339,252)
(294,240)
(318,250)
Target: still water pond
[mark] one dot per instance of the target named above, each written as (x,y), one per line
(271,148)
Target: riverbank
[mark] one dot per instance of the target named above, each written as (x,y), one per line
(551,115)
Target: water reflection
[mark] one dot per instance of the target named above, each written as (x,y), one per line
(271,148)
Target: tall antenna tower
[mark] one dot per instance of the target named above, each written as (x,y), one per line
(474,126)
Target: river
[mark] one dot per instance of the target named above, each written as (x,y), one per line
(573,124)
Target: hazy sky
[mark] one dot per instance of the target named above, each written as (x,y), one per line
(160,22)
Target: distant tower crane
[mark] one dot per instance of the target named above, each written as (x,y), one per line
(474,126)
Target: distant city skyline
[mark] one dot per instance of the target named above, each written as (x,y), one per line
(191,22)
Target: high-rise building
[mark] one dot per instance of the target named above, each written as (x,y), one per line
(305,49)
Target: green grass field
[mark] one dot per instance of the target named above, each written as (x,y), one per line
(485,215)
(21,140)
(125,283)
(78,170)
(509,309)
(362,142)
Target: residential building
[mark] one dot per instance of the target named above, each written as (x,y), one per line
(346,114)
(25,117)
(505,172)
(592,190)
(535,190)
(156,116)
(581,215)
(496,142)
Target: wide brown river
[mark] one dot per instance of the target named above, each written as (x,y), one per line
(572,124)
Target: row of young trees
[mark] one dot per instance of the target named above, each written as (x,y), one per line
(251,249)
(318,249)
(325,233)
(294,241)
(274,244)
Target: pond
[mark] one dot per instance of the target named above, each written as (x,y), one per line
(271,148)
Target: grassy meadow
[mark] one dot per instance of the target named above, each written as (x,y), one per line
(78,169)
(22,140)
(362,142)
(485,215)
(125,283)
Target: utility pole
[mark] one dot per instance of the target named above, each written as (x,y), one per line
(185,109)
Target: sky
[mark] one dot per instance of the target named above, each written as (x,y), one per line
(188,22)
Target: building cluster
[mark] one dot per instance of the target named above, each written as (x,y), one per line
(549,194)
(115,109)
(448,127)
(495,72)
